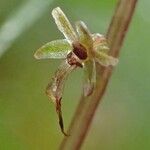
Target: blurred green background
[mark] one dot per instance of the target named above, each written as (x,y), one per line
(27,118)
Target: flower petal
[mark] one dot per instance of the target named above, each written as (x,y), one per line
(105,60)
(55,88)
(54,49)
(64,25)
(84,36)
(90,77)
(100,43)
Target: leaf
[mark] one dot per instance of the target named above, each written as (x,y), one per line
(100,43)
(105,60)
(90,77)
(84,36)
(54,49)
(64,25)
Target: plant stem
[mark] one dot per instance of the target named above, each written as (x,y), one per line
(87,105)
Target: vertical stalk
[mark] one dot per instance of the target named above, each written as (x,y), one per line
(87,105)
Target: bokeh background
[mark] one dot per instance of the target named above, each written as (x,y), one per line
(27,118)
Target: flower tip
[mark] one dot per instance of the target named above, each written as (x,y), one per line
(56,10)
(81,24)
(114,61)
(37,54)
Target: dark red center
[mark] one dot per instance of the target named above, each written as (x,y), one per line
(79,50)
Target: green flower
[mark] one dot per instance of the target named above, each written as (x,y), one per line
(80,48)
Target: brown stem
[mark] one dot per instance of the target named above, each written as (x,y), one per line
(87,106)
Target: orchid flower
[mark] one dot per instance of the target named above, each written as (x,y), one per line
(80,48)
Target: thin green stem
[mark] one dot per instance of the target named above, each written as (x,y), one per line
(87,105)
